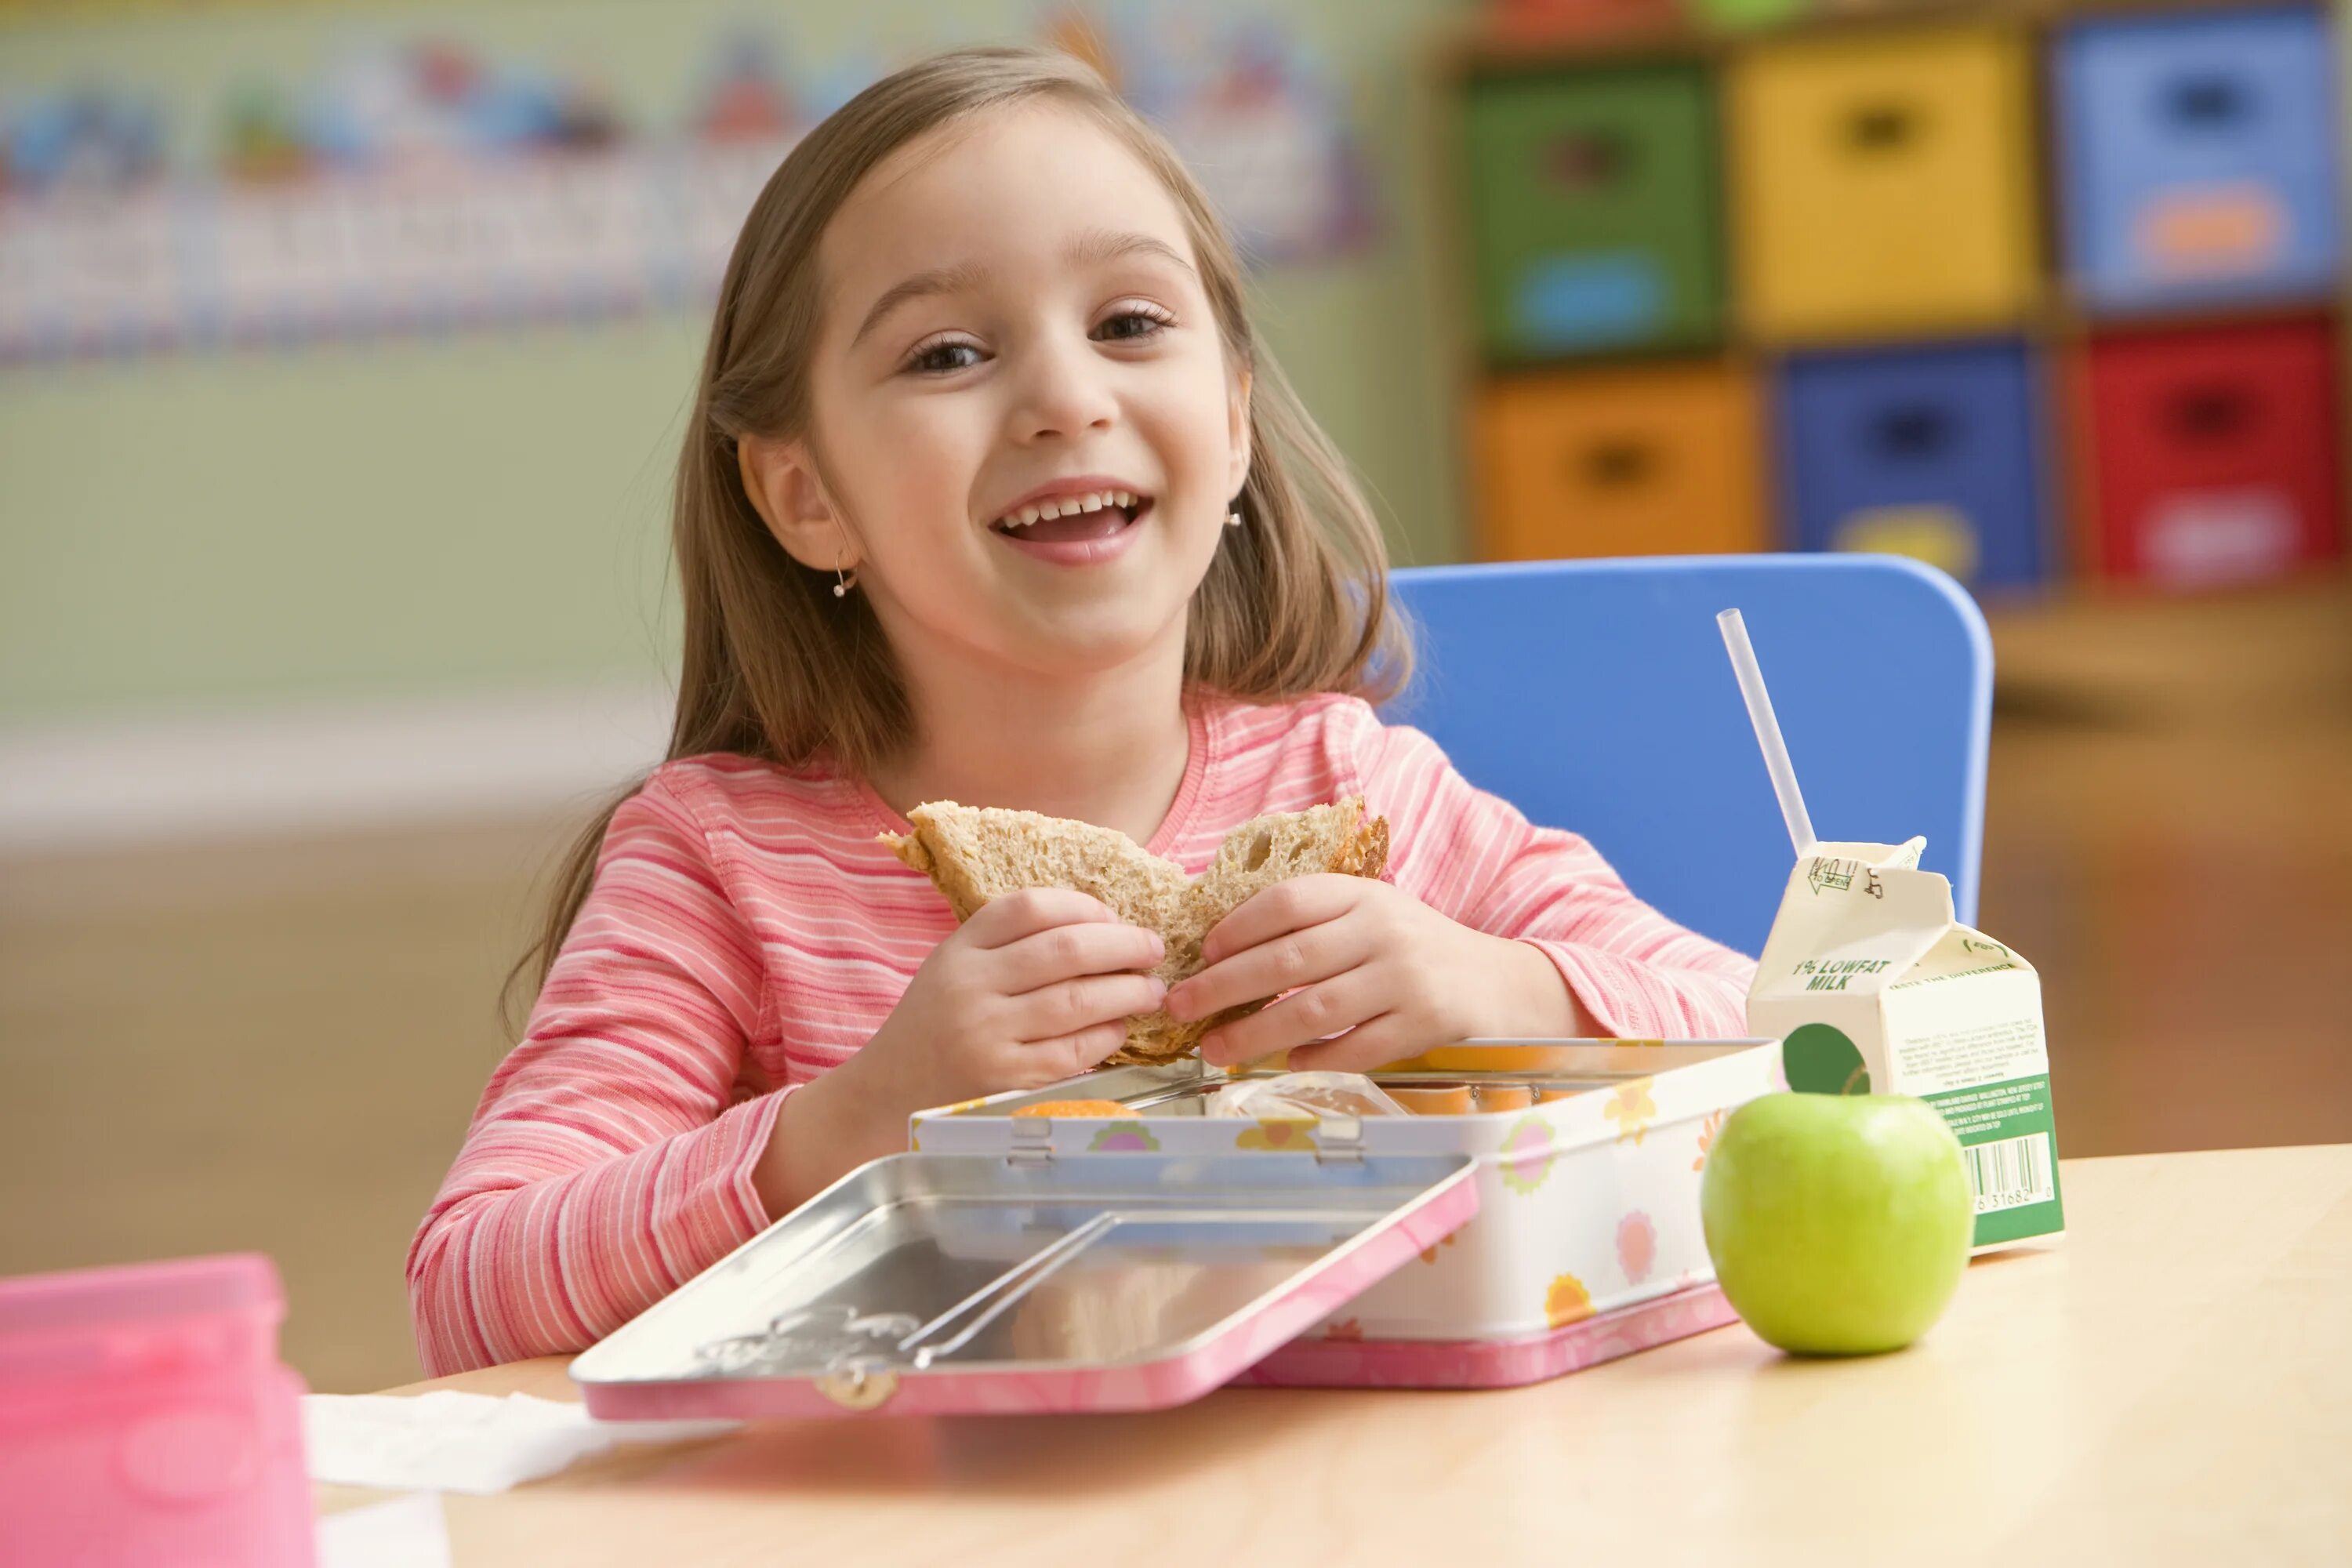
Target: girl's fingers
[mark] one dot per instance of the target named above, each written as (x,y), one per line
(1073,1006)
(1368,1046)
(1071,1054)
(1298,1019)
(1286,907)
(1285,962)
(1032,910)
(1066,952)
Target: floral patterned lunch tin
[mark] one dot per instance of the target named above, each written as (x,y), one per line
(1109,1243)
(1588,1196)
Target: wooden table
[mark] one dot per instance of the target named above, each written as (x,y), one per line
(2173,1382)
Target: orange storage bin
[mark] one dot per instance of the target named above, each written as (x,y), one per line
(1659,460)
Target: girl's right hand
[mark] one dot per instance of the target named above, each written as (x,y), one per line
(1035,987)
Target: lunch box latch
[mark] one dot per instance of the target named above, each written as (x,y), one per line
(1032,1142)
(1339,1140)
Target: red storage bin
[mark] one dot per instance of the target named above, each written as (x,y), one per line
(2210,455)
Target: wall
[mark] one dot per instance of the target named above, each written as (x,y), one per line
(333,525)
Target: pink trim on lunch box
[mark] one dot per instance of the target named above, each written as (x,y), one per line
(1139,1385)
(1340,1362)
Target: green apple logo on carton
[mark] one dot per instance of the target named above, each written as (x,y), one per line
(1873,987)
(1819,1060)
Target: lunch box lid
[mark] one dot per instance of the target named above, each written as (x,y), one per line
(1029,1282)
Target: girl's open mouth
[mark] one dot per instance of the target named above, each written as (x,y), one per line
(1075,531)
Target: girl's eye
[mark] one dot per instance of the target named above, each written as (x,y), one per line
(1133,323)
(948,354)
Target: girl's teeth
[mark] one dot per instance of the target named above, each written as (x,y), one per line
(1069,507)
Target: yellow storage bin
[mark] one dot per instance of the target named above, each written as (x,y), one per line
(1884,182)
(1660,460)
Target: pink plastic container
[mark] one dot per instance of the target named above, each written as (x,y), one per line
(144,1419)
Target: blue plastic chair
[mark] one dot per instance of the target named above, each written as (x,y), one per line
(1596,696)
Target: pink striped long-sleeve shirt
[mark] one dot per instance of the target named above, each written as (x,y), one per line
(745,933)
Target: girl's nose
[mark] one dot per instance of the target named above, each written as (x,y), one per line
(1062,393)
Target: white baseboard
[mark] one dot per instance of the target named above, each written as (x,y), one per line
(311,767)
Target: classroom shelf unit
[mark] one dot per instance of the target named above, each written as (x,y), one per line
(2039,293)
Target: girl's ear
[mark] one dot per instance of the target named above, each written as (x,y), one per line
(783,484)
(1237,432)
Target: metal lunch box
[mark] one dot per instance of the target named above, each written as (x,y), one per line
(1020,1262)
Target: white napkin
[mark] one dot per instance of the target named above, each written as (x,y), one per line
(404,1532)
(454,1442)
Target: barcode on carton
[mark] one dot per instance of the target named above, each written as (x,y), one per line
(2010,1173)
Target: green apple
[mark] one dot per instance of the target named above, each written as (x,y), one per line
(1839,1224)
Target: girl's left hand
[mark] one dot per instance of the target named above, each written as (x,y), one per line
(1375,966)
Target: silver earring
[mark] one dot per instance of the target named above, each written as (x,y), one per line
(1234,518)
(842,582)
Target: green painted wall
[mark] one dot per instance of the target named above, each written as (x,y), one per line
(450,514)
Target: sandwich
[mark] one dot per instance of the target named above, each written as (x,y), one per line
(973,854)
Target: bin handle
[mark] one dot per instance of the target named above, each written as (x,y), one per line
(2207,103)
(2213,411)
(1580,161)
(1888,126)
(1615,463)
(1914,430)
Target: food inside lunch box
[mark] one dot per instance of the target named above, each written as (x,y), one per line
(1303,1094)
(1476,1078)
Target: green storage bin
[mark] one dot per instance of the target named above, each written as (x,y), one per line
(1595,210)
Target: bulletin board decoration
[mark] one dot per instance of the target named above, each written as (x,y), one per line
(425,184)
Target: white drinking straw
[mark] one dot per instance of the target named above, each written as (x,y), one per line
(1768,731)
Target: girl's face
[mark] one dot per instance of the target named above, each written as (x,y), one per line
(1014,326)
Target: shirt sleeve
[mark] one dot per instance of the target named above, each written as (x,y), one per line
(610,1159)
(1474,857)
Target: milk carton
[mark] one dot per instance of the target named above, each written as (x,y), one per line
(1877,988)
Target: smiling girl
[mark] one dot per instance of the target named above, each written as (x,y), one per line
(990,494)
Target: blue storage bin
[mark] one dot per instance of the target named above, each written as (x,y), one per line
(1934,453)
(2199,156)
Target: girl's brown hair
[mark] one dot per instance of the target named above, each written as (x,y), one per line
(776,667)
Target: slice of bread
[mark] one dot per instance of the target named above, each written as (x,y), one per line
(974,854)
